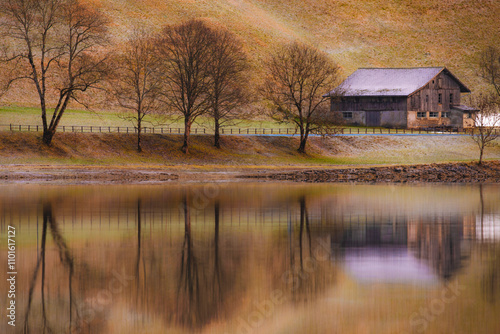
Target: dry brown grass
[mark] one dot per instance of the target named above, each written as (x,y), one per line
(119,149)
(356,33)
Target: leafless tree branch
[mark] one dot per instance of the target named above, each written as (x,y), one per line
(297,77)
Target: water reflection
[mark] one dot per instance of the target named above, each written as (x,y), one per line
(235,257)
(48,323)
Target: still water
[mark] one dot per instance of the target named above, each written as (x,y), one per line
(251,258)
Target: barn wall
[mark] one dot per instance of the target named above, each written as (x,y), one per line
(415,122)
(397,111)
(393,118)
(392,109)
(427,99)
(370,103)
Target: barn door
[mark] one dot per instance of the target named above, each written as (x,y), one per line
(373,118)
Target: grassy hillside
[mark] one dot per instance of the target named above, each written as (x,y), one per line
(357,33)
(119,149)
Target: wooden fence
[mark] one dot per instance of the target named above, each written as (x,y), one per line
(233,131)
(156,130)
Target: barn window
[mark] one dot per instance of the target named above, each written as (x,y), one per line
(433,114)
(347,114)
(421,114)
(427,99)
(451,98)
(440,98)
(445,114)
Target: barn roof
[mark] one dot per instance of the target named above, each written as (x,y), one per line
(390,81)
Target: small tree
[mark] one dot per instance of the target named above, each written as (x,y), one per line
(185,52)
(486,122)
(489,67)
(137,84)
(228,89)
(55,44)
(297,77)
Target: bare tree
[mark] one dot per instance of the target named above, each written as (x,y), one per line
(136,84)
(297,76)
(486,122)
(185,53)
(489,67)
(56,45)
(228,89)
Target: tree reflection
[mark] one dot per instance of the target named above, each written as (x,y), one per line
(304,221)
(314,271)
(138,257)
(188,287)
(218,293)
(66,259)
(203,287)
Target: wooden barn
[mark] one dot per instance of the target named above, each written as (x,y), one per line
(424,97)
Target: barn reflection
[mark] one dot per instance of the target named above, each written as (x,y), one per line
(99,261)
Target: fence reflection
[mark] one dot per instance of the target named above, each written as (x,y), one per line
(195,262)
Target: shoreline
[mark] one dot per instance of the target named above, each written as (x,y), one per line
(453,172)
(458,172)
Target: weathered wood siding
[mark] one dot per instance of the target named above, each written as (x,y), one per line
(370,103)
(434,99)
(389,110)
(427,98)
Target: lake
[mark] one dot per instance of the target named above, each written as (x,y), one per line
(250,258)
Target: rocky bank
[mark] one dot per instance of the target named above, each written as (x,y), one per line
(489,172)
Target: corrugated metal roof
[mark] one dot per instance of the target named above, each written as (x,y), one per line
(387,81)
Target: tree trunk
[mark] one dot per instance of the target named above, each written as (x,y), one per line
(303,141)
(47,137)
(50,131)
(187,131)
(481,150)
(217,134)
(139,130)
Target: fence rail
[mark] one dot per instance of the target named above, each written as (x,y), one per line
(155,130)
(233,131)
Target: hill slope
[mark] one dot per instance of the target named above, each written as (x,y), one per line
(357,33)
(119,149)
